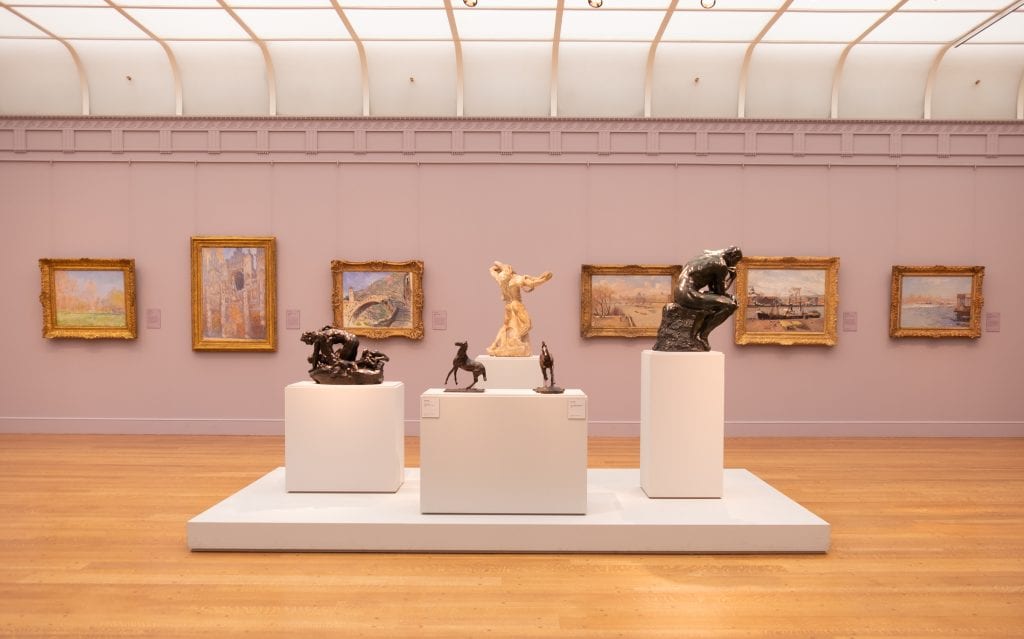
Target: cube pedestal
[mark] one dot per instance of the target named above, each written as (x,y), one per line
(344,438)
(504,451)
(511,372)
(682,423)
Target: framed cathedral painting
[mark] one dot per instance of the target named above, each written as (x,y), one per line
(234,294)
(378,299)
(787,300)
(619,300)
(88,298)
(936,301)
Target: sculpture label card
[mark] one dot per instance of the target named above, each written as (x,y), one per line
(234,294)
(88,298)
(787,300)
(936,301)
(379,299)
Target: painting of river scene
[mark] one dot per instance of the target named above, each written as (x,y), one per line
(625,301)
(936,301)
(785,300)
(379,299)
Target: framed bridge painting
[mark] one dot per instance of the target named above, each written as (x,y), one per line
(378,299)
(88,298)
(787,301)
(234,294)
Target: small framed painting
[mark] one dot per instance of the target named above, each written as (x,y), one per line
(234,294)
(378,299)
(624,300)
(936,301)
(787,300)
(88,298)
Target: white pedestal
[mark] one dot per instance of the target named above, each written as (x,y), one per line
(504,451)
(344,438)
(510,372)
(682,423)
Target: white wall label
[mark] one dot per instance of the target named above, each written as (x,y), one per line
(850,321)
(292,319)
(153,317)
(439,320)
(992,322)
(577,408)
(430,407)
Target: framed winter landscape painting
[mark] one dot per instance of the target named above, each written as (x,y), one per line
(88,298)
(936,301)
(378,299)
(618,300)
(787,300)
(234,294)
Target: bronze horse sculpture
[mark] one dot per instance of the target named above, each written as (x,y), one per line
(463,361)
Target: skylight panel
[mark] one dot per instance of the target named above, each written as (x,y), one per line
(281,4)
(167,3)
(1009,29)
(611,25)
(505,25)
(386,4)
(715,26)
(954,5)
(400,24)
(294,24)
(843,5)
(820,27)
(914,27)
(97,3)
(76,22)
(13,26)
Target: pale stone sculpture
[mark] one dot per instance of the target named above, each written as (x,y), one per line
(513,339)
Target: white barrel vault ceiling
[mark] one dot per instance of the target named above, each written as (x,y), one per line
(787,59)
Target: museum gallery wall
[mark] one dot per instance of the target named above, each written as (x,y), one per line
(544,196)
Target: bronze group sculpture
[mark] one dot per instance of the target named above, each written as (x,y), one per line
(334,358)
(463,361)
(513,338)
(547,369)
(700,301)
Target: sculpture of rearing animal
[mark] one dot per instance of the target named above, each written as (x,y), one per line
(463,361)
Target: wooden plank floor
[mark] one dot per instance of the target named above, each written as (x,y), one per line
(927,541)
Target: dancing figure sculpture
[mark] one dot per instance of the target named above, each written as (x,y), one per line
(463,361)
(513,338)
(700,301)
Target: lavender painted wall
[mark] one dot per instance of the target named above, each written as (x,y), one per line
(542,195)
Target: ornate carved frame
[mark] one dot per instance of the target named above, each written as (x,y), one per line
(828,337)
(48,298)
(413,267)
(201,343)
(587,273)
(973,329)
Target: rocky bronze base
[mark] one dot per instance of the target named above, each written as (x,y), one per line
(340,376)
(675,332)
(463,390)
(549,390)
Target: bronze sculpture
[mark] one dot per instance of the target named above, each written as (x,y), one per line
(463,361)
(700,301)
(334,358)
(513,338)
(547,365)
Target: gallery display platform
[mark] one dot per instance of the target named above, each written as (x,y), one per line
(750,517)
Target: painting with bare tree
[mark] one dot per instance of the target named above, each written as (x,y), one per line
(624,301)
(88,298)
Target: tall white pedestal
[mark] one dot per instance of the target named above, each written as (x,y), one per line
(504,451)
(510,372)
(344,438)
(682,423)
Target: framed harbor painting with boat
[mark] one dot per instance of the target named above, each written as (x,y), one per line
(618,300)
(787,300)
(378,299)
(88,298)
(936,301)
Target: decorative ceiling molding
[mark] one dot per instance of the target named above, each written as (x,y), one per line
(361,49)
(741,107)
(838,73)
(649,72)
(460,74)
(175,69)
(267,61)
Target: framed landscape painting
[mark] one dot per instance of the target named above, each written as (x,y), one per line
(936,301)
(234,294)
(787,300)
(88,298)
(624,300)
(378,299)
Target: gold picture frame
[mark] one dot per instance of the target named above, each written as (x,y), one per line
(936,301)
(234,293)
(787,301)
(88,298)
(620,300)
(378,299)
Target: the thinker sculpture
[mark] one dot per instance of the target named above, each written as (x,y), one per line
(701,302)
(513,339)
(463,361)
(547,369)
(334,358)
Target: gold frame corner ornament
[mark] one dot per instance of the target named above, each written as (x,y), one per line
(201,343)
(413,267)
(972,330)
(827,337)
(587,273)
(48,267)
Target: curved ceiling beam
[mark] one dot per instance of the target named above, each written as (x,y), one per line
(556,40)
(741,107)
(83,83)
(175,69)
(361,49)
(837,75)
(649,74)
(929,86)
(271,76)
(460,76)
(1020,98)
